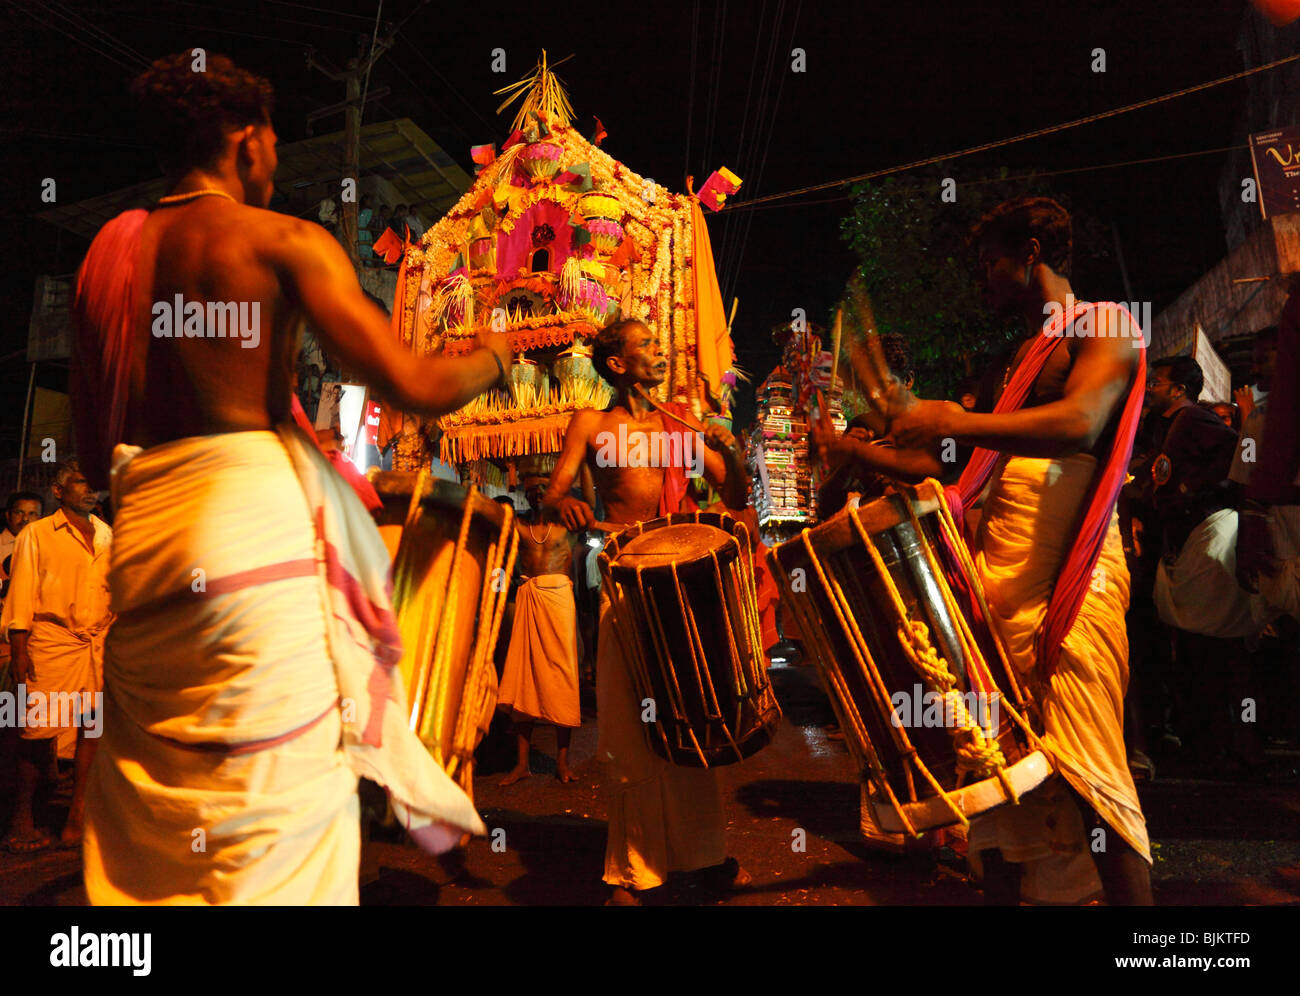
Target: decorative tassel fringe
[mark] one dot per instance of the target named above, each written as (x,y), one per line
(497,442)
(570,282)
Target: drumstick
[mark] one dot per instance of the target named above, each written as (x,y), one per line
(868,358)
(837,335)
(694,427)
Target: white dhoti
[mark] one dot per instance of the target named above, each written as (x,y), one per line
(662,817)
(69,675)
(1029,520)
(244,698)
(1199,592)
(540,679)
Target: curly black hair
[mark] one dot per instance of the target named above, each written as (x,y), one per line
(1011,224)
(186,113)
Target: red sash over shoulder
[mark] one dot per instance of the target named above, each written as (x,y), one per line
(103,312)
(674,497)
(1072,584)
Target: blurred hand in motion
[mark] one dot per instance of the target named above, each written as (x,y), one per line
(924,424)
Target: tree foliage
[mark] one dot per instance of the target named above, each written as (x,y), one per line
(913,257)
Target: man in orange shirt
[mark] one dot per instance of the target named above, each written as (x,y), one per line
(56,616)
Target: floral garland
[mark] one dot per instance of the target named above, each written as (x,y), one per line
(524,339)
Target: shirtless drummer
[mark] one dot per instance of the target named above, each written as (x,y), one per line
(662,818)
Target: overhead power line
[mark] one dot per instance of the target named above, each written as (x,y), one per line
(1002,142)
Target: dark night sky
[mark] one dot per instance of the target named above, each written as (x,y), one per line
(885,84)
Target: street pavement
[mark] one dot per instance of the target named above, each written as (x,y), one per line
(1215,842)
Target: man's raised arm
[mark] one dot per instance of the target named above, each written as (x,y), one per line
(1101,373)
(319,279)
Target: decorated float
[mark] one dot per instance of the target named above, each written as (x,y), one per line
(554,239)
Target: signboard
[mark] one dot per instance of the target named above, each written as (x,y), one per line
(49,334)
(1218,379)
(342,407)
(1276,156)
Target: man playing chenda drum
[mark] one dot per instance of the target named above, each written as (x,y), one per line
(662,817)
(1058,599)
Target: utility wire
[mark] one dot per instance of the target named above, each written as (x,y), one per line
(370,63)
(111,56)
(104,37)
(844,195)
(1039,133)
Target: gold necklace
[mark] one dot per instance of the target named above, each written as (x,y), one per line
(192,195)
(545,536)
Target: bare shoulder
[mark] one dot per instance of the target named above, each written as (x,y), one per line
(584,423)
(282,235)
(1114,334)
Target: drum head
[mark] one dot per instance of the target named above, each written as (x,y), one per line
(683,543)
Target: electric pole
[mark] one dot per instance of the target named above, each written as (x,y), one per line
(353,78)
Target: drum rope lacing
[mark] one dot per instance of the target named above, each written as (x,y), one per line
(958,545)
(975,753)
(428,700)
(748,680)
(974,747)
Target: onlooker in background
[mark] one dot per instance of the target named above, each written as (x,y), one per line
(1226,411)
(56,617)
(379,223)
(22,508)
(968,393)
(540,680)
(415,222)
(365,237)
(397,223)
(1190,505)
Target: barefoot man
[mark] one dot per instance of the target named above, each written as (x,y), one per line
(540,681)
(249,673)
(662,817)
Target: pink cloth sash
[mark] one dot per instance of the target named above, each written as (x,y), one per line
(1072,585)
(103,310)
